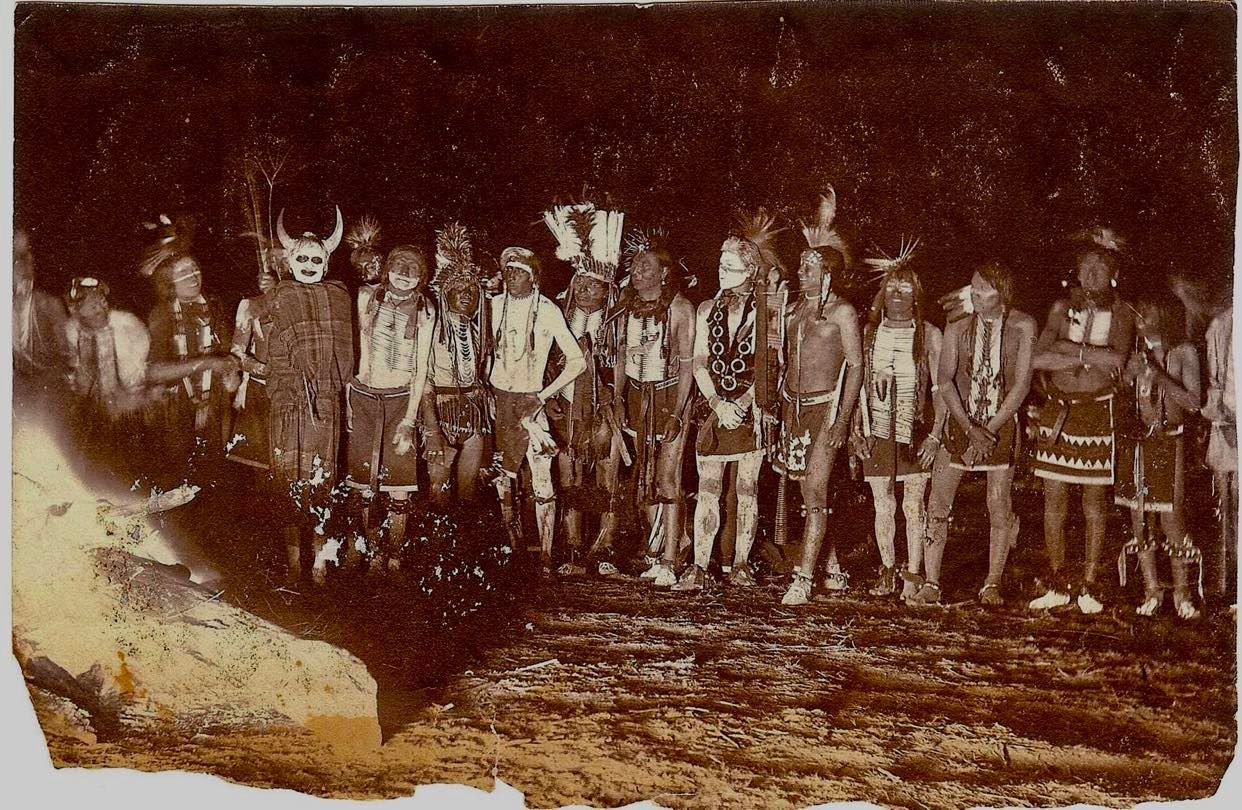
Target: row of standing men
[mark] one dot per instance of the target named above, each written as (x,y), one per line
(623,374)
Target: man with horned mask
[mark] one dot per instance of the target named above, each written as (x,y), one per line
(1081,351)
(897,425)
(457,412)
(655,379)
(727,347)
(310,357)
(581,414)
(524,325)
(823,375)
(983,376)
(395,322)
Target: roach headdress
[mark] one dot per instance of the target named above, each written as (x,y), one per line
(363,239)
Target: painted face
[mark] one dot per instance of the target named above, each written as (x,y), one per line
(589,293)
(811,276)
(519,280)
(463,298)
(187,282)
(985,298)
(646,275)
(899,298)
(405,276)
(732,271)
(1095,272)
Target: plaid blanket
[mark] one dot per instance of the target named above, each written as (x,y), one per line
(311,354)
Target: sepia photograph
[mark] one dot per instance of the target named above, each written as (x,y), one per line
(694,404)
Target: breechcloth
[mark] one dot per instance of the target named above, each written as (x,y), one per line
(1076,442)
(463,413)
(250,439)
(803,419)
(1003,454)
(648,407)
(1148,466)
(372,418)
(512,440)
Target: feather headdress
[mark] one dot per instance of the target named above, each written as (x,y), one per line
(642,241)
(364,233)
(587,238)
(363,239)
(822,231)
(957,304)
(454,258)
(173,236)
(886,265)
(760,230)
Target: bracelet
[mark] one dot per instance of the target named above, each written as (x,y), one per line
(714,401)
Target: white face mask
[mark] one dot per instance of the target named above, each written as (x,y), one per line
(308,256)
(308,261)
(732,271)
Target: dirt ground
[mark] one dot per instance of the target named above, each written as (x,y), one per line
(610,693)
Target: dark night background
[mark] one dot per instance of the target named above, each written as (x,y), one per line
(986,130)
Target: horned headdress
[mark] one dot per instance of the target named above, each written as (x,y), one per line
(307,255)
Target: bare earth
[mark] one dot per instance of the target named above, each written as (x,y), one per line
(611,693)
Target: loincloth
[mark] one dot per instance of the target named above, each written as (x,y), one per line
(1003,454)
(512,439)
(803,418)
(889,461)
(249,440)
(648,407)
(1076,443)
(1148,466)
(462,413)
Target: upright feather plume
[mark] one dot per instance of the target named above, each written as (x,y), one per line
(888,264)
(587,238)
(454,257)
(821,232)
(365,233)
(761,231)
(562,221)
